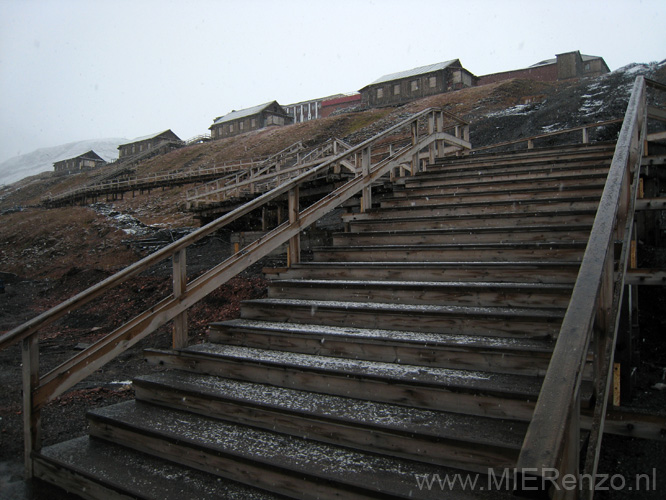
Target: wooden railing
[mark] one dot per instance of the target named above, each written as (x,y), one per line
(263,177)
(548,464)
(39,389)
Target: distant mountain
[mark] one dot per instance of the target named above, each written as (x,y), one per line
(42,159)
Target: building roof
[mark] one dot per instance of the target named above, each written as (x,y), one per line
(88,154)
(235,115)
(414,72)
(584,57)
(146,137)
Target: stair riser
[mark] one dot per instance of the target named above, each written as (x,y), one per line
(453,188)
(230,467)
(461,254)
(507,197)
(461,208)
(444,296)
(563,275)
(456,323)
(426,223)
(69,480)
(460,454)
(374,389)
(517,235)
(464,358)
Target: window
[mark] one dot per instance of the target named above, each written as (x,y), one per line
(240,125)
(396,89)
(380,93)
(231,127)
(415,85)
(253,123)
(433,82)
(587,66)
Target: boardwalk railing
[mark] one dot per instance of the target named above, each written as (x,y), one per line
(39,389)
(549,458)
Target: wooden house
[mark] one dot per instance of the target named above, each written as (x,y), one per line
(162,140)
(82,163)
(561,67)
(246,120)
(405,86)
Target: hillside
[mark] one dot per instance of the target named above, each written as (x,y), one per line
(498,112)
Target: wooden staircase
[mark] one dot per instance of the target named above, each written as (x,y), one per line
(411,350)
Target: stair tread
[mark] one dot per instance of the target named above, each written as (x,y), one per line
(413,308)
(428,340)
(428,423)
(138,474)
(423,246)
(294,456)
(517,386)
(483,285)
(477,229)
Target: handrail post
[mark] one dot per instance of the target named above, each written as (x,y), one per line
(32,440)
(366,201)
(415,139)
(431,130)
(586,136)
(294,251)
(179,336)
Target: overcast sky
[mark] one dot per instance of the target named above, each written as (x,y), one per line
(87,69)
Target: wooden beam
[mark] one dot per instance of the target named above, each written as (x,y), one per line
(655,113)
(651,204)
(645,277)
(179,337)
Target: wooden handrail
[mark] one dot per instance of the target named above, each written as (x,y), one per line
(551,444)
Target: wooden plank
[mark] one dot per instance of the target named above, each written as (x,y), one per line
(651,204)
(645,277)
(31,414)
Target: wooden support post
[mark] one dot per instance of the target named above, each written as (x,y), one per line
(392,174)
(530,144)
(616,384)
(179,337)
(32,440)
(294,250)
(415,140)
(431,130)
(586,135)
(366,200)
(263,218)
(440,128)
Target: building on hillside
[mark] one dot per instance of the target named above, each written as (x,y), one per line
(344,102)
(563,66)
(405,86)
(162,142)
(246,120)
(82,163)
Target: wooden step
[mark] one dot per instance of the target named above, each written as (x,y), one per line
(101,469)
(469,271)
(478,234)
(507,159)
(473,392)
(498,252)
(480,294)
(469,175)
(443,187)
(580,217)
(466,207)
(441,438)
(521,356)
(467,320)
(509,195)
(282,464)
